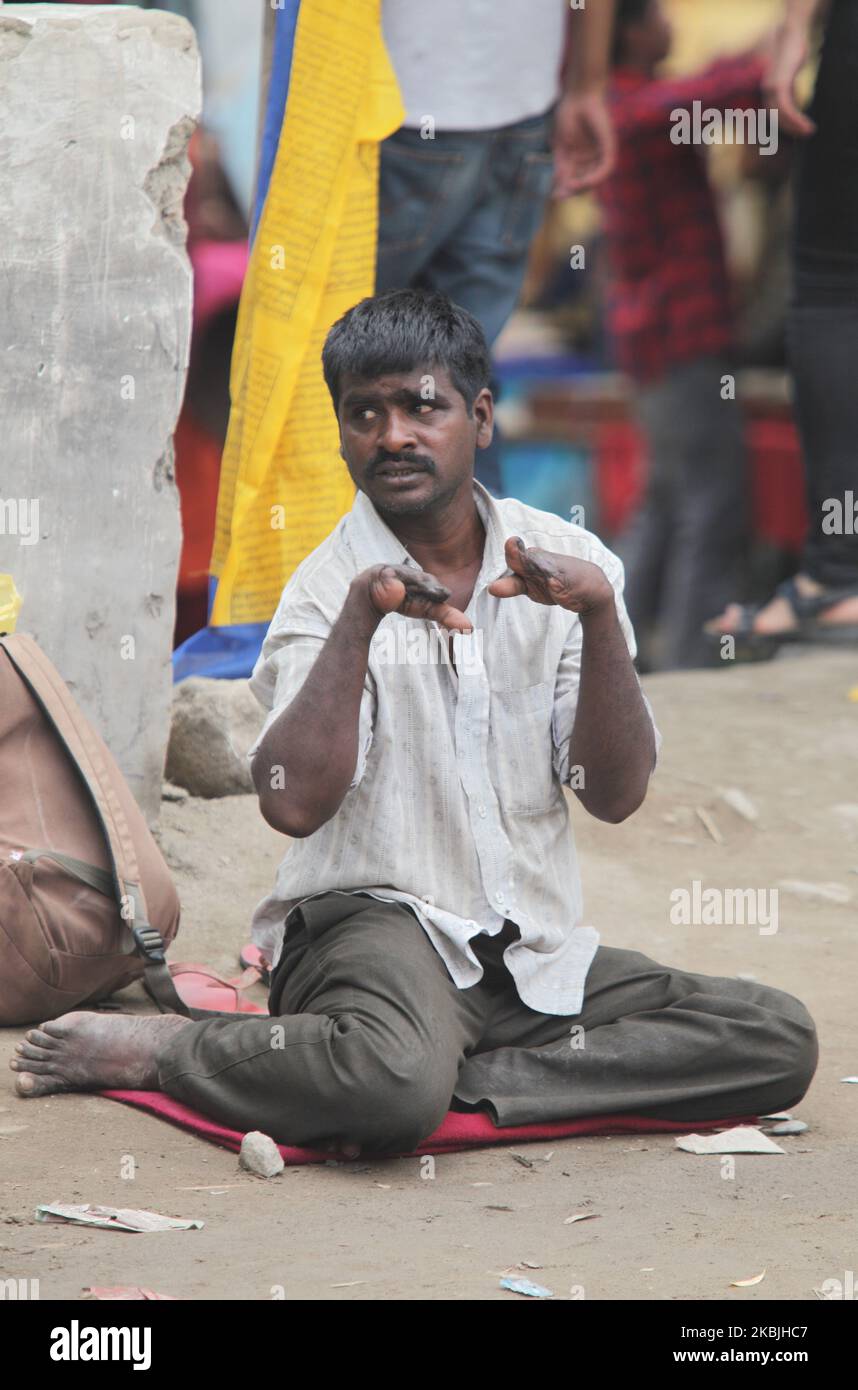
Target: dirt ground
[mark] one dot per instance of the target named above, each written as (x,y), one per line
(669,1225)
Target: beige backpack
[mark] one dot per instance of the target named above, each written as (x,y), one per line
(86,900)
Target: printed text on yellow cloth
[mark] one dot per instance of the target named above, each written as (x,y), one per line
(283,484)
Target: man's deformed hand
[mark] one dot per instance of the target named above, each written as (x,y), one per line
(546,577)
(405,589)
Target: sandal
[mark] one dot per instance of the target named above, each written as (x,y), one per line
(251,958)
(762,646)
(200,987)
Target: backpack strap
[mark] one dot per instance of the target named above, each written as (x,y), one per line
(84,749)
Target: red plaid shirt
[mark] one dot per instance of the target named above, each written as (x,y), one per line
(668,297)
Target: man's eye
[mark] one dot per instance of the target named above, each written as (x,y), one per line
(424,406)
(365,413)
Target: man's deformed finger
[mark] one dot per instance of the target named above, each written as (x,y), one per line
(508,587)
(451,618)
(426,586)
(539,565)
(390,584)
(514,550)
(418,594)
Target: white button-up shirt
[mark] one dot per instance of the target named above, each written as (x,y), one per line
(457,805)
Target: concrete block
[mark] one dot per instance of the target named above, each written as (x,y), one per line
(96,108)
(214,724)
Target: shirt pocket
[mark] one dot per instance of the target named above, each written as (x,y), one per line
(521,749)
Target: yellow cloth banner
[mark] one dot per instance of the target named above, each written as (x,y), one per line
(283,484)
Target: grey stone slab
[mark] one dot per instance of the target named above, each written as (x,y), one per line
(96,108)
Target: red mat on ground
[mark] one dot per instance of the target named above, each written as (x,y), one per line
(456,1131)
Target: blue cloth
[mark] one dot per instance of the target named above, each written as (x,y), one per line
(222,653)
(285,22)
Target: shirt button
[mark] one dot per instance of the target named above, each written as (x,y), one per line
(482,810)
(499,896)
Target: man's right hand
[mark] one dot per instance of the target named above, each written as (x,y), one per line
(403,589)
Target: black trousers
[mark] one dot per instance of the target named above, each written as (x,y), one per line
(823,318)
(683,546)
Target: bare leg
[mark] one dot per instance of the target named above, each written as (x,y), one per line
(92,1052)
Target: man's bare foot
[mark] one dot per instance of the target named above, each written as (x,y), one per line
(92,1052)
(777,616)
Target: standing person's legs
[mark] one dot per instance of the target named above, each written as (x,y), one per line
(458,213)
(710,532)
(482,262)
(822,334)
(650,1040)
(823,320)
(643,545)
(683,548)
(426,187)
(823,349)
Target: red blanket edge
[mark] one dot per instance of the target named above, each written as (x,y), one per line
(456,1131)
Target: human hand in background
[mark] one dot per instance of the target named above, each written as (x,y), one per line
(585,146)
(785,52)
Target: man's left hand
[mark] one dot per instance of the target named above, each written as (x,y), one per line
(546,577)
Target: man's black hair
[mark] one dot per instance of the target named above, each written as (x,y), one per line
(627,12)
(403,329)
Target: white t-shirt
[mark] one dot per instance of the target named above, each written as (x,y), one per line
(475,64)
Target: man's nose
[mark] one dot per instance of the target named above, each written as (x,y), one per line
(398,433)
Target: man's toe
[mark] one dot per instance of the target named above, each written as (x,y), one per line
(30,1049)
(31,1064)
(28,1085)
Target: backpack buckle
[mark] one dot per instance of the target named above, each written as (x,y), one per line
(149,941)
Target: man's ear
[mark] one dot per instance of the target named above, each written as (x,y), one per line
(483,411)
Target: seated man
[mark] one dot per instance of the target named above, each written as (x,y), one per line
(437,671)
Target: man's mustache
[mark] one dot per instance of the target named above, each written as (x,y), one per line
(416,461)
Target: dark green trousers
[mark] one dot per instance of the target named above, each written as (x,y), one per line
(370,1042)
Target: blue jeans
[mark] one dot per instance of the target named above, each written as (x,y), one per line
(458,213)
